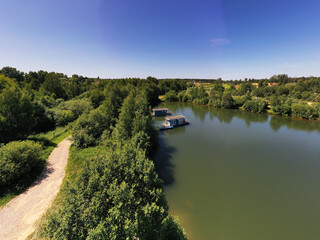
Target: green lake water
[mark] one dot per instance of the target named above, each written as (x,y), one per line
(233,175)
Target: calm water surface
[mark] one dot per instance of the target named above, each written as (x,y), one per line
(232,175)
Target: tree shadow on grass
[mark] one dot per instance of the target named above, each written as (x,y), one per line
(162,158)
(45,142)
(36,176)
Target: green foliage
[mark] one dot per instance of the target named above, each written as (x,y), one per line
(44,119)
(17,160)
(5,82)
(117,196)
(215,102)
(172,84)
(12,73)
(239,101)
(281,106)
(135,119)
(305,111)
(244,88)
(69,111)
(96,97)
(218,87)
(125,123)
(53,85)
(171,96)
(257,105)
(16,114)
(89,127)
(171,230)
(227,101)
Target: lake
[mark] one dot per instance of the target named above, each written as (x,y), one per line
(233,175)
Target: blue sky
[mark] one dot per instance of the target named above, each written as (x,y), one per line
(231,39)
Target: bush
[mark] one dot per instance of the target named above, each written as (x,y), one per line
(69,111)
(257,105)
(89,127)
(239,101)
(282,109)
(303,110)
(171,96)
(44,120)
(215,103)
(17,160)
(201,101)
(227,101)
(181,96)
(16,114)
(172,230)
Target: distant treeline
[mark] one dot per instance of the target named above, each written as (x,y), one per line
(281,78)
(280,95)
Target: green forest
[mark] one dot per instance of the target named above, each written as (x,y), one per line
(112,190)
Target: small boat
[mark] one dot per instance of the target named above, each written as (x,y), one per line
(165,128)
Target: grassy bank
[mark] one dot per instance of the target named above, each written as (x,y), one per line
(49,141)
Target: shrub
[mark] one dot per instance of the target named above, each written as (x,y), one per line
(171,96)
(172,230)
(215,103)
(282,109)
(89,127)
(185,98)
(201,101)
(17,160)
(302,110)
(257,105)
(181,96)
(16,114)
(63,117)
(227,101)
(69,111)
(44,120)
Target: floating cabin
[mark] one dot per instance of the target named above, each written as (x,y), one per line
(160,112)
(175,121)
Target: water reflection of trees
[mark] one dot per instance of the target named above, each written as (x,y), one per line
(226,116)
(176,130)
(163,161)
(277,122)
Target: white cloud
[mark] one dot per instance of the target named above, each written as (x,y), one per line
(220,41)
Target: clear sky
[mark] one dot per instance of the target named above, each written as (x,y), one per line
(231,39)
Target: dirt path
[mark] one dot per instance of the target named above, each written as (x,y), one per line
(18,217)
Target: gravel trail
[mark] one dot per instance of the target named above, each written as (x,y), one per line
(18,217)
